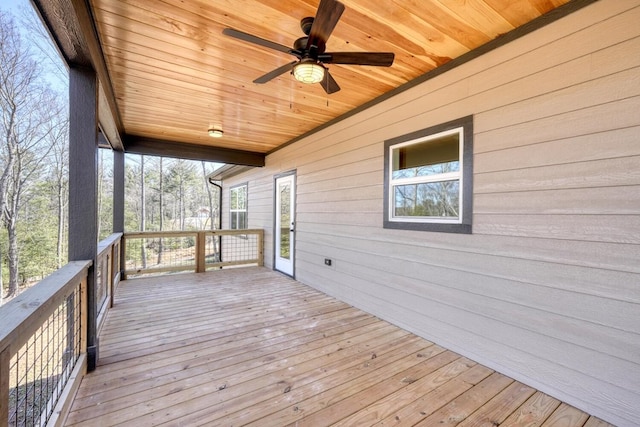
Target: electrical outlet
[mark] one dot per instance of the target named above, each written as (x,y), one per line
(327,261)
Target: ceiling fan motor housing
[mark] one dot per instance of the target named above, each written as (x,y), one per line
(301,44)
(306,24)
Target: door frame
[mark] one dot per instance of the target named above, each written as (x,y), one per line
(292,240)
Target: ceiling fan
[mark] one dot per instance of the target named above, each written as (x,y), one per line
(310,49)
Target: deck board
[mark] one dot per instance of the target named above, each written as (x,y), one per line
(253,347)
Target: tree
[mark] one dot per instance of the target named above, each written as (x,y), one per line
(105,193)
(143,204)
(212,203)
(59,164)
(181,177)
(160,208)
(29,109)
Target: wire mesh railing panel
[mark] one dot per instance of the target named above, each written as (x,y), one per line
(159,254)
(39,371)
(239,248)
(156,252)
(212,251)
(234,248)
(102,279)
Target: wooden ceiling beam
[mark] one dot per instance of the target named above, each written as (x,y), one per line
(179,150)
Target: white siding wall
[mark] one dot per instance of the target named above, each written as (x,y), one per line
(547,288)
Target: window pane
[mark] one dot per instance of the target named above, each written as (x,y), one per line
(238,207)
(435,199)
(234,198)
(434,157)
(242,198)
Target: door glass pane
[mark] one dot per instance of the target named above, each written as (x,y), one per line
(285,219)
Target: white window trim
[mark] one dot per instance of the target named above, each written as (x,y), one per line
(235,211)
(451,176)
(461,225)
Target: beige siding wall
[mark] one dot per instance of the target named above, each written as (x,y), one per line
(547,288)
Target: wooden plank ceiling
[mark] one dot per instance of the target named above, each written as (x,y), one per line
(174,74)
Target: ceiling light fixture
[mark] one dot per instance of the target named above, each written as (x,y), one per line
(216,132)
(308,71)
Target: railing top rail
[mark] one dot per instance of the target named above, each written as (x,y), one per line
(105,243)
(24,314)
(139,234)
(187,233)
(231,232)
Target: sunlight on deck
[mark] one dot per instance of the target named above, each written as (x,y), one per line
(252,347)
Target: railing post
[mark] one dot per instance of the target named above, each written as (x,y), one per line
(201,243)
(5,359)
(84,306)
(123,257)
(110,279)
(261,248)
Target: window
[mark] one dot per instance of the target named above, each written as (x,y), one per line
(428,178)
(238,207)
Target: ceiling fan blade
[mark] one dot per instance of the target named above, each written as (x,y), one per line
(328,83)
(379,59)
(259,41)
(327,16)
(275,73)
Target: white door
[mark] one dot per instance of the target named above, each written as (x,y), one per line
(285,224)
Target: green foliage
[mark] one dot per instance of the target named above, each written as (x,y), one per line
(37,234)
(184,194)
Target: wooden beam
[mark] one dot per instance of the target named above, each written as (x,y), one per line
(90,35)
(60,20)
(118,192)
(83,186)
(159,147)
(72,29)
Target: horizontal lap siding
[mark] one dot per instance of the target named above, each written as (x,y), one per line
(260,206)
(547,288)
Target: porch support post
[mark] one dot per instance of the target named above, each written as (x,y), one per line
(118,192)
(83,188)
(118,202)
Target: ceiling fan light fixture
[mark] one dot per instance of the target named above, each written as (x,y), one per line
(308,72)
(216,132)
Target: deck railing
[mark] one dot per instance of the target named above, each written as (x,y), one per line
(107,274)
(197,251)
(43,339)
(43,335)
(43,346)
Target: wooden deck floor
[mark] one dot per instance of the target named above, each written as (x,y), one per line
(252,347)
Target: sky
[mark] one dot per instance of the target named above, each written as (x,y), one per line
(12,5)
(18,8)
